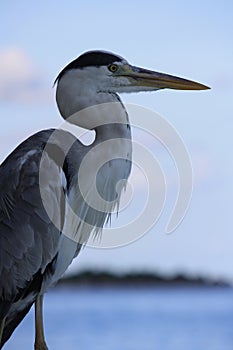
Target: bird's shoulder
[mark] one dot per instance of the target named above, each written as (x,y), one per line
(29,239)
(19,171)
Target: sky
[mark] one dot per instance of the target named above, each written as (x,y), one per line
(189,39)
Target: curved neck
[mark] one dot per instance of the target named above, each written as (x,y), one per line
(88,108)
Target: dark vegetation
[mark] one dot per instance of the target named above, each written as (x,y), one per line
(95,278)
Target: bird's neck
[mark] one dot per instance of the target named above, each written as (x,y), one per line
(107,160)
(88,108)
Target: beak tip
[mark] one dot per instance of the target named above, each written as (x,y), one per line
(197,86)
(205,87)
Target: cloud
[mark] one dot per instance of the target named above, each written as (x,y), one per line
(22,81)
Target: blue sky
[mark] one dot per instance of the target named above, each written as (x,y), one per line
(190,39)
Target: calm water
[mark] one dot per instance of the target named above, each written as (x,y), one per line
(133,319)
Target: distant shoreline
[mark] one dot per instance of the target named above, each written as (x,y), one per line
(94,278)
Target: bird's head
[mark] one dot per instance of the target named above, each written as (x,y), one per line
(112,73)
(95,75)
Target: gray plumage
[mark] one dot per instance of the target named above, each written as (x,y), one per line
(44,221)
(29,241)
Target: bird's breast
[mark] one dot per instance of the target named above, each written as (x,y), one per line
(97,187)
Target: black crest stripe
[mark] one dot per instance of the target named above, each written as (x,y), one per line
(90,58)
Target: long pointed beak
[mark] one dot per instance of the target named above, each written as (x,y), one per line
(151,80)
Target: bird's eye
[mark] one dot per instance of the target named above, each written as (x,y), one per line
(113,68)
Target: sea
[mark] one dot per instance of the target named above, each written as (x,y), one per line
(133,318)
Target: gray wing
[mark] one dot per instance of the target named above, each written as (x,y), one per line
(28,238)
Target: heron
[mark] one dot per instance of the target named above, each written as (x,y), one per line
(34,251)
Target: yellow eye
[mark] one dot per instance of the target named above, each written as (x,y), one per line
(113,68)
